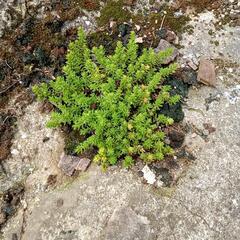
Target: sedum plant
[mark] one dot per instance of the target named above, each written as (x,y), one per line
(114,101)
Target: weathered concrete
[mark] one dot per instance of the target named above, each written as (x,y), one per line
(117,205)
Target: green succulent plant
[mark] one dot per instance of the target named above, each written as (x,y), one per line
(113,100)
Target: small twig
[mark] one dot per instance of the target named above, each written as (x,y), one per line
(162,21)
(5,90)
(195,109)
(6,118)
(8,64)
(151,44)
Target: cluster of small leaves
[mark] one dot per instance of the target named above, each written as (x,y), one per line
(114,101)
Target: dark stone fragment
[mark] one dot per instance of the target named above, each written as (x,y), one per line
(124,29)
(140,173)
(162,33)
(176,137)
(8,209)
(41,57)
(175,111)
(178,86)
(28,25)
(125,39)
(189,76)
(33,77)
(25,35)
(46,139)
(23,40)
(164,174)
(55,26)
(185,154)
(28,58)
(25,81)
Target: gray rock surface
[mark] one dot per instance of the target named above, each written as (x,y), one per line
(164,45)
(132,226)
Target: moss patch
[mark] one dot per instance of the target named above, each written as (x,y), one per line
(176,24)
(113,10)
(103,38)
(156,20)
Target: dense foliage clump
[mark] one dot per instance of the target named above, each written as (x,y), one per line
(114,101)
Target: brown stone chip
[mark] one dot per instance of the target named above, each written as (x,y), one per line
(83,164)
(206,72)
(68,164)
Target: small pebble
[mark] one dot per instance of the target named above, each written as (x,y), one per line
(194,135)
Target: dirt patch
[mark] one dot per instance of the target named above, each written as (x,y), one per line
(28,57)
(199,6)
(7,129)
(12,106)
(90,5)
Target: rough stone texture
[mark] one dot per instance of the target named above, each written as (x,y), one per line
(32,160)
(223,43)
(12,11)
(88,22)
(136,226)
(164,45)
(205,204)
(68,164)
(5,17)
